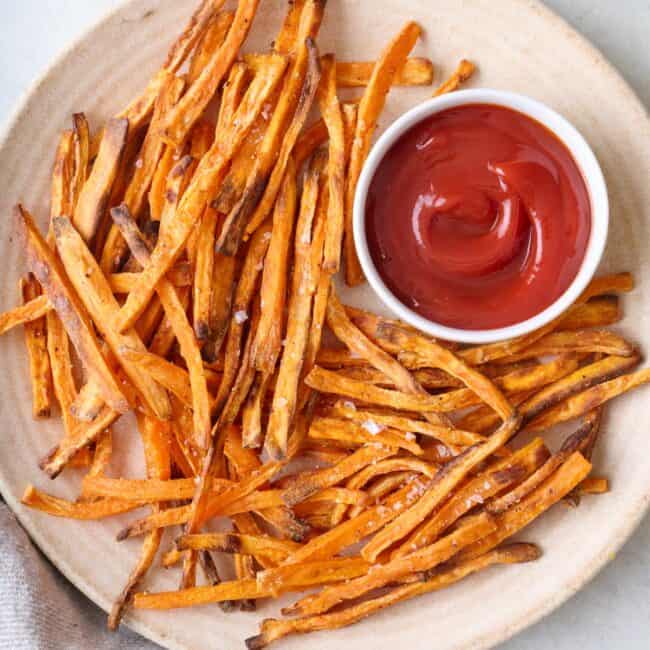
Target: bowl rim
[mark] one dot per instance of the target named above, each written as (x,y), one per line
(584,158)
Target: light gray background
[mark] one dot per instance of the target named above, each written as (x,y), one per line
(613,611)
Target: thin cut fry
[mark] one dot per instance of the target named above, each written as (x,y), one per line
(95,292)
(589,399)
(181,118)
(57,287)
(210,42)
(462,73)
(176,313)
(372,103)
(39,361)
(445,481)
(273,629)
(416,71)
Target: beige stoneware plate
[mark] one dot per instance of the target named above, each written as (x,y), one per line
(520,46)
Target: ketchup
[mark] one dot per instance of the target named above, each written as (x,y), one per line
(478,217)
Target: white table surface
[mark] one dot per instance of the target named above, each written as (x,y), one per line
(613,611)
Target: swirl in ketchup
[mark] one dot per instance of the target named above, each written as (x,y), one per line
(478,217)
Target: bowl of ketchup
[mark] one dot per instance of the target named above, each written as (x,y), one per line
(480,215)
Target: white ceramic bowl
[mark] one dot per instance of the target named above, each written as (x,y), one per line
(584,158)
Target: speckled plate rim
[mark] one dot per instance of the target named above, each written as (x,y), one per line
(637,510)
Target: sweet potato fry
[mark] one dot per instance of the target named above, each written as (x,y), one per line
(211,40)
(310,139)
(203,275)
(268,338)
(592,486)
(138,112)
(39,361)
(273,629)
(167,374)
(424,559)
(598,312)
(243,299)
(372,103)
(460,75)
(155,439)
(263,183)
(333,117)
(444,482)
(92,204)
(577,441)
(565,478)
(180,119)
(49,272)
(180,276)
(95,292)
(76,510)
(135,195)
(583,378)
(587,400)
(607,285)
(440,357)
(447,435)
(275,549)
(305,486)
(175,311)
(416,71)
(28,312)
(298,319)
(497,478)
(206,177)
(359,434)
(326,381)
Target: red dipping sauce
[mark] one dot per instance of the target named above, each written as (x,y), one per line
(478,217)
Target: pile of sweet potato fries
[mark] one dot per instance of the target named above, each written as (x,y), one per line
(187,271)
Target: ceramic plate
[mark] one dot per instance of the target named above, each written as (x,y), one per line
(520,46)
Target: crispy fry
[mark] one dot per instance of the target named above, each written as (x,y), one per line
(565,478)
(263,183)
(424,559)
(175,311)
(28,312)
(298,319)
(583,378)
(204,274)
(211,40)
(206,177)
(366,433)
(444,482)
(592,486)
(578,441)
(164,372)
(272,629)
(268,337)
(39,361)
(180,119)
(270,547)
(135,195)
(327,381)
(95,292)
(447,435)
(372,103)
(587,400)
(57,287)
(497,478)
(93,199)
(310,139)
(305,486)
(155,439)
(139,110)
(598,312)
(460,75)
(76,510)
(416,71)
(333,117)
